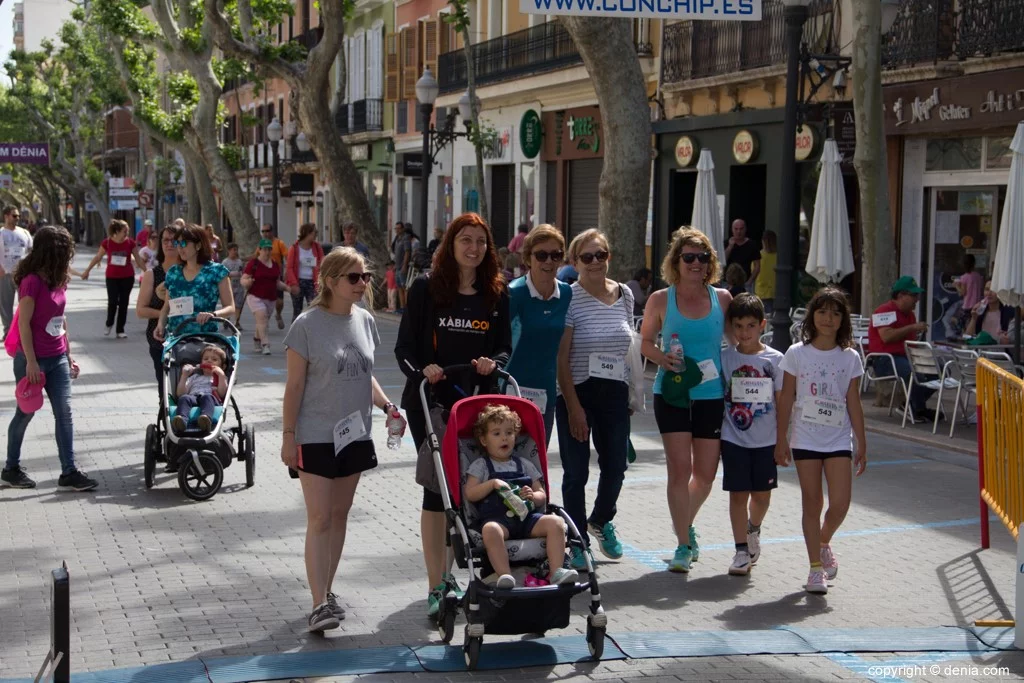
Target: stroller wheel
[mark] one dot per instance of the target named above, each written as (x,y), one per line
(200,484)
(149,455)
(595,639)
(446,621)
(472,651)
(250,457)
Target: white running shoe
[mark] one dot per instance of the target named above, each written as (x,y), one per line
(754,544)
(816,582)
(505,582)
(829,563)
(741,563)
(266,349)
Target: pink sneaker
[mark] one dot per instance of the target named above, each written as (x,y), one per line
(816,582)
(532,581)
(829,563)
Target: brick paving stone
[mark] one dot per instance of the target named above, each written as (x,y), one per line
(156,577)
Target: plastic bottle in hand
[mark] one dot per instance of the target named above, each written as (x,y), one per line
(675,347)
(517,507)
(395,425)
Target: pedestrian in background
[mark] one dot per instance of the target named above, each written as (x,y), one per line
(744,251)
(764,284)
(149,304)
(215,254)
(329,396)
(15,243)
(515,245)
(820,410)
(262,279)
(278,254)
(235,265)
(401,251)
(593,376)
(350,232)
(121,252)
(466,286)
(692,312)
(391,280)
(42,357)
(303,269)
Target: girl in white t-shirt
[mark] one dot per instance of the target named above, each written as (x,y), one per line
(820,409)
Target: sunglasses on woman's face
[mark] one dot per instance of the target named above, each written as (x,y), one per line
(588,257)
(542,256)
(704,257)
(354,278)
(181,243)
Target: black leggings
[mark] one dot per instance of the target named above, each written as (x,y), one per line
(119,290)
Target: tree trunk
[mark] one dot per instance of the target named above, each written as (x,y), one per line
(471,88)
(878,267)
(194,213)
(609,54)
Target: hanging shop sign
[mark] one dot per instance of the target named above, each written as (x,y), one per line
(573,134)
(498,149)
(805,141)
(744,147)
(986,100)
(687,150)
(25,153)
(718,10)
(530,134)
(264,199)
(410,164)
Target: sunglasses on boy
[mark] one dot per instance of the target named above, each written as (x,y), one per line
(704,257)
(588,257)
(354,278)
(542,256)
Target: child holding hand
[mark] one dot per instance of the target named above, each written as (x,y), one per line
(496,428)
(204,386)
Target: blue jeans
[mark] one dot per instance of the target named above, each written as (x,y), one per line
(58,390)
(606,404)
(205,402)
(918,395)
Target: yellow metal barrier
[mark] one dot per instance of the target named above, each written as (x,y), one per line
(1000,447)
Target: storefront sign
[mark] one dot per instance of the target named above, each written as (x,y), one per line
(953,104)
(410,164)
(264,199)
(530,134)
(744,147)
(25,153)
(121,183)
(359,152)
(499,149)
(122,193)
(301,184)
(805,139)
(687,150)
(719,10)
(573,134)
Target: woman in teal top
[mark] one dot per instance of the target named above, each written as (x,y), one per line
(537,306)
(193,289)
(692,311)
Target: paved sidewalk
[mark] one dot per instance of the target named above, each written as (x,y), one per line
(157,578)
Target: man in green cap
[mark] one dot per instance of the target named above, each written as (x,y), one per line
(892,324)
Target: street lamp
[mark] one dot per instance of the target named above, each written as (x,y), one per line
(806,73)
(434,140)
(275,133)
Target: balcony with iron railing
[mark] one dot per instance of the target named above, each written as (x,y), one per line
(933,31)
(704,49)
(540,48)
(361,116)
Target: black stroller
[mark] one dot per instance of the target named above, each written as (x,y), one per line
(489,609)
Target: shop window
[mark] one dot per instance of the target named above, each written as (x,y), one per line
(954,154)
(470,189)
(527,195)
(998,153)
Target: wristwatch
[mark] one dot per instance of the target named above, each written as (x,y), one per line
(389,407)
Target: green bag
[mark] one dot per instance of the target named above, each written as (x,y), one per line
(675,386)
(982,339)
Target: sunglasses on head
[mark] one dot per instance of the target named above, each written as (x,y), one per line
(543,256)
(354,278)
(704,257)
(588,257)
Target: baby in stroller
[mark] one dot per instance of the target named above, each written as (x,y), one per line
(204,387)
(489,485)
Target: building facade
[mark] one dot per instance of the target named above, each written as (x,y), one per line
(39,20)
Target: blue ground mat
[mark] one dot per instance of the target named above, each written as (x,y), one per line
(709,643)
(339,662)
(940,638)
(516,654)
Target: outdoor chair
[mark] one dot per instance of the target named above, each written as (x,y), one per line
(872,374)
(1003,360)
(965,367)
(924,361)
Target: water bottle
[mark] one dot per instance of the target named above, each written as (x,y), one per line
(675,347)
(394,425)
(516,506)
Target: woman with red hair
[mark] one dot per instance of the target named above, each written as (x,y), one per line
(457,314)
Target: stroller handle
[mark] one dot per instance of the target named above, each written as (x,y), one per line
(501,374)
(214,319)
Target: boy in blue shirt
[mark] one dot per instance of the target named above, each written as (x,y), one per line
(753,381)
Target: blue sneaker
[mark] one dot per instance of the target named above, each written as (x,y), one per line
(694,546)
(577,560)
(681,560)
(609,543)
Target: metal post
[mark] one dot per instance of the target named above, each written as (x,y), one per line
(275,181)
(795,16)
(425,111)
(60,624)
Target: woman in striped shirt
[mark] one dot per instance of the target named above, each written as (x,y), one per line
(594,380)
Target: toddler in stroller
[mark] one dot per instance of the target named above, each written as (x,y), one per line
(202,387)
(507,512)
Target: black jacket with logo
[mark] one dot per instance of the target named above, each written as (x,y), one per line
(450,336)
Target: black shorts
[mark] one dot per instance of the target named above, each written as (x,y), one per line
(703,418)
(804,454)
(748,469)
(319,459)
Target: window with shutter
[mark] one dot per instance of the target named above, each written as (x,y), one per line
(430,45)
(376,59)
(444,35)
(410,61)
(359,93)
(392,68)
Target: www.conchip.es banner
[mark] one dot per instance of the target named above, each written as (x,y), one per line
(25,153)
(722,10)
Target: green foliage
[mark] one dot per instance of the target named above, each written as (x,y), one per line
(233,155)
(459,16)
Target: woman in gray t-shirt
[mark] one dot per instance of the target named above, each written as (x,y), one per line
(328,399)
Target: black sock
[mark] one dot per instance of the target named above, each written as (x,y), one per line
(743,547)
(752,528)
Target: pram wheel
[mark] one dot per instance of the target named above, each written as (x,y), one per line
(446,620)
(595,639)
(249,449)
(149,454)
(200,484)
(472,651)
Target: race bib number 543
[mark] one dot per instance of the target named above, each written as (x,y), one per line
(824,412)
